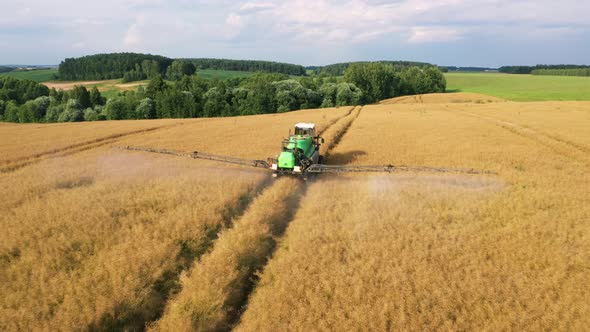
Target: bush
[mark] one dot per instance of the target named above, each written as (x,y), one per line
(115,109)
(53,113)
(72,113)
(11,112)
(146,109)
(290,95)
(347,94)
(90,115)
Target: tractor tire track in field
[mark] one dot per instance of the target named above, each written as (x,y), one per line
(18,163)
(557,144)
(275,216)
(335,132)
(332,122)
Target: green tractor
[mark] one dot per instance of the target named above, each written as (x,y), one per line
(300,156)
(299,151)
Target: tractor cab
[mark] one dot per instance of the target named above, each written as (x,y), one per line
(305,129)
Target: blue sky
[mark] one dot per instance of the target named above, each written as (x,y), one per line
(308,32)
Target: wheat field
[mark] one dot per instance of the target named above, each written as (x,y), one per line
(99,238)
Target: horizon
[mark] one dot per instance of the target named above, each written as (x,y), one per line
(459,33)
(56,65)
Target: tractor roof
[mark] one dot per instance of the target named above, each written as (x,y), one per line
(304,125)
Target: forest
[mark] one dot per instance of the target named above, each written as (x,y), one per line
(111,66)
(563,72)
(186,95)
(248,65)
(338,69)
(135,67)
(530,69)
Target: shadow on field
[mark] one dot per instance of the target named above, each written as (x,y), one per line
(344,158)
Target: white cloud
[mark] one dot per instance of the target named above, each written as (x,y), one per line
(132,37)
(256,6)
(234,24)
(433,34)
(261,27)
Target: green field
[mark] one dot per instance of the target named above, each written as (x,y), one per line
(521,87)
(37,75)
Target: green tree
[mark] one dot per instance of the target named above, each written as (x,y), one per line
(155,86)
(376,80)
(11,112)
(146,109)
(151,68)
(90,115)
(215,102)
(115,109)
(81,94)
(96,98)
(328,92)
(2,108)
(347,94)
(72,112)
(53,113)
(436,80)
(179,68)
(290,95)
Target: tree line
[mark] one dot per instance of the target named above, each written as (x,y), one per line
(28,101)
(338,69)
(111,66)
(529,69)
(562,72)
(248,65)
(136,66)
(191,96)
(446,69)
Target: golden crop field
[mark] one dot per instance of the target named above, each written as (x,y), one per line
(100,238)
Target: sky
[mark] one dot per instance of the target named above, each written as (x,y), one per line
(308,32)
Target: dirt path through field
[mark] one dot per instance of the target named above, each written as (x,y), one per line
(70,85)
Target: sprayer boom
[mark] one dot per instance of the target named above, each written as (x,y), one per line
(201,155)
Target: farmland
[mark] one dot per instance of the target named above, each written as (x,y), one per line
(521,87)
(100,238)
(38,75)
